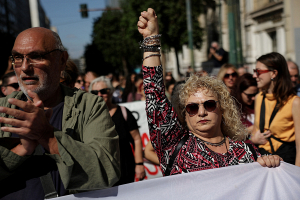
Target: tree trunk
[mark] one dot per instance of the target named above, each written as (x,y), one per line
(124,63)
(177,62)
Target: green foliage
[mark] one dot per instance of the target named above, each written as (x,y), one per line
(115,32)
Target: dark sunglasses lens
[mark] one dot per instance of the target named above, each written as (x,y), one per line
(104,91)
(94,92)
(210,105)
(226,76)
(234,74)
(15,85)
(192,109)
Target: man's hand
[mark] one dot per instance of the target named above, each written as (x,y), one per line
(147,24)
(269,160)
(32,123)
(212,50)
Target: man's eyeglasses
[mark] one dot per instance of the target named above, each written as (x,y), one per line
(234,74)
(250,96)
(261,71)
(14,85)
(33,58)
(102,91)
(193,108)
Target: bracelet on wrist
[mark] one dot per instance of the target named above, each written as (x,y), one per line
(151,56)
(140,163)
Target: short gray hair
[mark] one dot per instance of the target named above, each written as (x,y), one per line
(103,79)
(58,43)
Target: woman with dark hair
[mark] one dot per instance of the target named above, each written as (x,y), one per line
(277,109)
(137,92)
(129,86)
(245,91)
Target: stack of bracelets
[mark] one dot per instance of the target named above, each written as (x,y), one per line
(151,44)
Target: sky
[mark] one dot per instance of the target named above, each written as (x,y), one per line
(74,31)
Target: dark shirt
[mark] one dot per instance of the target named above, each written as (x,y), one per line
(123,128)
(217,63)
(25,182)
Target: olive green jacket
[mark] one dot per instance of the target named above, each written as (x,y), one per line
(88,143)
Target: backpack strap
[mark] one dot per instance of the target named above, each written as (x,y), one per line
(46,180)
(262,119)
(175,153)
(124,112)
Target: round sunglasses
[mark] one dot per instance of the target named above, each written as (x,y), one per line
(102,91)
(193,108)
(234,74)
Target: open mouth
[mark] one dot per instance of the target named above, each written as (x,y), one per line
(30,80)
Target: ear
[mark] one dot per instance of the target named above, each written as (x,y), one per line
(63,60)
(3,90)
(274,74)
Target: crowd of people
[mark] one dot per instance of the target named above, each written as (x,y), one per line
(65,130)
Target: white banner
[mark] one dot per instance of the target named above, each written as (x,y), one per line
(138,110)
(247,181)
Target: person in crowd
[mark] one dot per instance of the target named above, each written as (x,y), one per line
(50,131)
(217,55)
(69,76)
(228,74)
(294,74)
(277,125)
(9,84)
(169,88)
(127,129)
(88,78)
(241,71)
(129,86)
(245,91)
(137,93)
(210,132)
(80,82)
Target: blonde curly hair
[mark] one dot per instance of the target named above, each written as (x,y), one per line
(231,125)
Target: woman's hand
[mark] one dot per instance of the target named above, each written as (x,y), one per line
(147,24)
(140,172)
(260,138)
(269,160)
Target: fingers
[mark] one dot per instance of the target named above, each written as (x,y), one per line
(149,14)
(269,160)
(20,131)
(18,114)
(36,99)
(11,121)
(27,107)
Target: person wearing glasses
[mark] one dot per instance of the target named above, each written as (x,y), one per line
(126,125)
(245,92)
(54,140)
(228,74)
(277,124)
(202,130)
(9,83)
(294,74)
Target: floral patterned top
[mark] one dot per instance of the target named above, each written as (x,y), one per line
(166,132)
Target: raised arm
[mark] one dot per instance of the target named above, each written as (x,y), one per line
(163,124)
